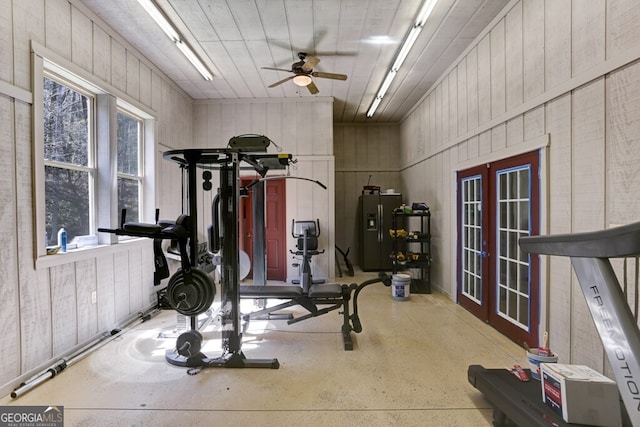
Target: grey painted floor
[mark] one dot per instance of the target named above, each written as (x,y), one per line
(408,368)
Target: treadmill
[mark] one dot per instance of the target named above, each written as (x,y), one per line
(520,403)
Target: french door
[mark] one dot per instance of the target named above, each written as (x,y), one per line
(497,204)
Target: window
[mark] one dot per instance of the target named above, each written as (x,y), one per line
(93,155)
(68,160)
(130,131)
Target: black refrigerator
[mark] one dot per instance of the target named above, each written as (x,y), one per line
(375,222)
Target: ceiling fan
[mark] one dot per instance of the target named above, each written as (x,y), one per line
(303,71)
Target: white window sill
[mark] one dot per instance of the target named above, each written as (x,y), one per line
(74,255)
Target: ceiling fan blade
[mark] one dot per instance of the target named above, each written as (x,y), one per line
(310,62)
(313,88)
(276,69)
(333,76)
(281,81)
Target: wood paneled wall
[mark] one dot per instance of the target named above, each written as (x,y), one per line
(361,152)
(565,70)
(300,126)
(46,312)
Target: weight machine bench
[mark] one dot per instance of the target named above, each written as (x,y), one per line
(333,297)
(590,255)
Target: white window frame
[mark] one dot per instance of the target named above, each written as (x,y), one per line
(122,109)
(91,168)
(107,101)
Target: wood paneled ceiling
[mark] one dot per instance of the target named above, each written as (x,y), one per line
(359,38)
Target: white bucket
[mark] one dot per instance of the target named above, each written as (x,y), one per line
(536,359)
(400,287)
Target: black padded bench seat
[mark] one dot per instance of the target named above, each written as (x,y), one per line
(275,291)
(325,291)
(290,291)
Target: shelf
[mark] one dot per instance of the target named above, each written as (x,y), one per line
(415,240)
(414,213)
(414,243)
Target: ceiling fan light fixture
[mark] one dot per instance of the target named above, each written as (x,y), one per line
(302,80)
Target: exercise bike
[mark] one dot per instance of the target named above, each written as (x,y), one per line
(306,233)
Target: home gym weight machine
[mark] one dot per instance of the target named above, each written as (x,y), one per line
(223,239)
(191,292)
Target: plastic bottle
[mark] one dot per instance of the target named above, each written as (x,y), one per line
(62,239)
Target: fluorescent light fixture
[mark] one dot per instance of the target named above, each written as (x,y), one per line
(406,47)
(374,106)
(193,58)
(425,12)
(302,80)
(410,39)
(153,11)
(157,16)
(386,83)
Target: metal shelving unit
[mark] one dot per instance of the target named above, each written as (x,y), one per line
(412,249)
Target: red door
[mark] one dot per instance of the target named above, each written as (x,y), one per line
(497,204)
(275,224)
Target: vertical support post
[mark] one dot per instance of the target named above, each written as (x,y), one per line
(230,192)
(259,234)
(192,158)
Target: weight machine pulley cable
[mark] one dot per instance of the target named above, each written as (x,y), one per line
(78,355)
(272,178)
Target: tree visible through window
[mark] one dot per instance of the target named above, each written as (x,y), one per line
(129,173)
(69,171)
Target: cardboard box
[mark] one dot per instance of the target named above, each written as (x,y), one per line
(580,394)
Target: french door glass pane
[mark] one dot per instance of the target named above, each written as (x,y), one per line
(513,200)
(472,238)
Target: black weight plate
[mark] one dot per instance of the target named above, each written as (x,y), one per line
(193,298)
(206,288)
(189,343)
(183,297)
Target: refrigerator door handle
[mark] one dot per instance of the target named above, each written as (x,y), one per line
(380,220)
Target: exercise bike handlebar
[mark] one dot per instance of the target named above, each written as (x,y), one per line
(304,227)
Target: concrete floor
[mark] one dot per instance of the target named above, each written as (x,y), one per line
(408,368)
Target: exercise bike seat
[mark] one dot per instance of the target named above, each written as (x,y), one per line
(611,243)
(312,253)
